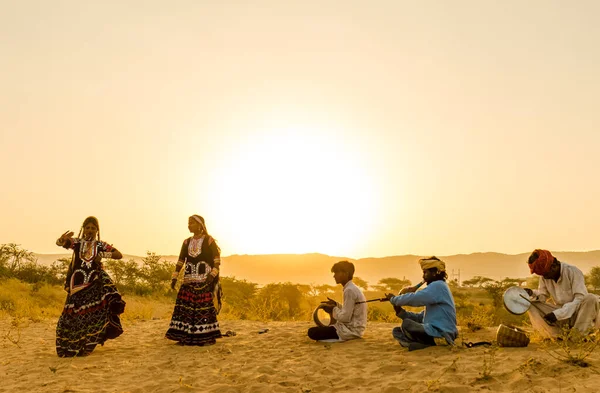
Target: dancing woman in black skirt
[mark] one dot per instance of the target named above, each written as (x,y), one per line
(91,312)
(194,320)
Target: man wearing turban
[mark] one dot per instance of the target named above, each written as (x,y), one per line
(438,320)
(574,307)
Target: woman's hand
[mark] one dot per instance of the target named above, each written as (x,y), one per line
(68,235)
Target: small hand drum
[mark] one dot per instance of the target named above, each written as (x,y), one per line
(516,300)
(322,318)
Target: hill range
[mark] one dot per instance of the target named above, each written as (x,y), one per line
(315,268)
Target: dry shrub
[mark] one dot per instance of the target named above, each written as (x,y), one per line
(34,302)
(20,300)
(381,315)
(572,347)
(529,365)
(479,318)
(142,308)
(489,362)
(435,384)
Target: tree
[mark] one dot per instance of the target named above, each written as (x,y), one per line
(277,301)
(496,290)
(593,278)
(453,284)
(238,294)
(59,268)
(12,256)
(155,272)
(391,284)
(361,283)
(117,269)
(131,272)
(514,281)
(324,290)
(477,281)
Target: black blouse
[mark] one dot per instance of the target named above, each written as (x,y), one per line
(85,266)
(199,256)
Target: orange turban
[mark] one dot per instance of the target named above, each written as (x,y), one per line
(543,263)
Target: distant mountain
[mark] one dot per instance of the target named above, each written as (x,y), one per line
(315,268)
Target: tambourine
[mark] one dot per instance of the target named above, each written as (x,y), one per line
(322,318)
(516,300)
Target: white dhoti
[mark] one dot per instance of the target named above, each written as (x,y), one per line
(584,319)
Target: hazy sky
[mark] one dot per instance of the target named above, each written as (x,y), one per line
(351,128)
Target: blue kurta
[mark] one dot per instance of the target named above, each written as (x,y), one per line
(439,316)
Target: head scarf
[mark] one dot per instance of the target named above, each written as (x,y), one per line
(91,220)
(431,263)
(200,221)
(543,263)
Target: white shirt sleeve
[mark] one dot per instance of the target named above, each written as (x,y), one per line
(576,281)
(542,292)
(344,314)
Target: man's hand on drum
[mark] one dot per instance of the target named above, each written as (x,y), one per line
(328,305)
(550,318)
(529,291)
(388,296)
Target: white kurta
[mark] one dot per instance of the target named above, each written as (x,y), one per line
(351,318)
(574,307)
(567,292)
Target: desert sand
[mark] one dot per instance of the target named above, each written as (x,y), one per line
(281,360)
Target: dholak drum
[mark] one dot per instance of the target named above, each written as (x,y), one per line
(322,318)
(516,300)
(510,336)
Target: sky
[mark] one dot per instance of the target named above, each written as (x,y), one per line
(349,128)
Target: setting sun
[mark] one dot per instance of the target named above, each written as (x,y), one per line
(296,190)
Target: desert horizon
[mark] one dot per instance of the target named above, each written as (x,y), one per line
(314,268)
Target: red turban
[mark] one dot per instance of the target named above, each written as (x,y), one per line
(543,263)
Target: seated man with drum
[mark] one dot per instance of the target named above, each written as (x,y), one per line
(351,316)
(574,307)
(437,323)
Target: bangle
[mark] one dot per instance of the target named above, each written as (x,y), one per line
(106,254)
(214,272)
(174,275)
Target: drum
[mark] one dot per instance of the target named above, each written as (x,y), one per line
(323,318)
(510,336)
(516,300)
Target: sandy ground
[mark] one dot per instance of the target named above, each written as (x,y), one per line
(281,360)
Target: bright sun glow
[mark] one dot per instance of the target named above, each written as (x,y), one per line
(296,191)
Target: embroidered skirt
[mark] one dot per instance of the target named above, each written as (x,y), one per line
(90,317)
(194,320)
